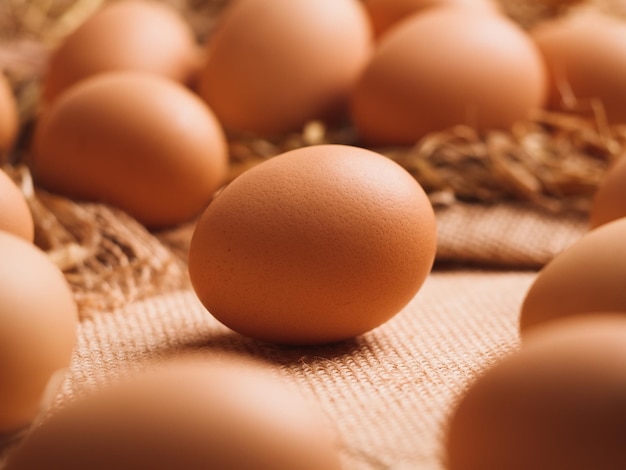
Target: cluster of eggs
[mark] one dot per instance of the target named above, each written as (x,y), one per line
(558,401)
(316,245)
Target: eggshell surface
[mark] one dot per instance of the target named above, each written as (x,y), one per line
(133,140)
(135,35)
(556,403)
(15,215)
(8,116)
(191,413)
(38,322)
(609,201)
(443,68)
(585,54)
(315,245)
(273,66)
(586,277)
(384,14)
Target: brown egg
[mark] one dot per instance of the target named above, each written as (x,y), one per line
(558,3)
(585,55)
(273,66)
(316,245)
(15,215)
(587,277)
(609,202)
(384,14)
(447,67)
(38,321)
(137,35)
(559,403)
(187,413)
(8,116)
(133,140)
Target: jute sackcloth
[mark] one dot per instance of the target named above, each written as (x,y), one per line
(389,392)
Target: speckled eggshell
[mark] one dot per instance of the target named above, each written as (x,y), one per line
(316,245)
(558,403)
(136,141)
(38,328)
(586,277)
(443,68)
(190,413)
(139,35)
(271,67)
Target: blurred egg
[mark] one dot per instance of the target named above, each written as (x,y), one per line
(38,321)
(609,202)
(273,66)
(447,67)
(316,245)
(384,14)
(15,215)
(8,116)
(559,403)
(124,35)
(136,141)
(586,277)
(585,55)
(558,3)
(185,413)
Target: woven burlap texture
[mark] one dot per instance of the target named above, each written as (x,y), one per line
(389,392)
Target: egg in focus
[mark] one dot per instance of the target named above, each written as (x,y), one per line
(443,68)
(15,215)
(203,412)
(558,403)
(136,141)
(586,277)
(38,329)
(313,246)
(585,55)
(135,35)
(271,67)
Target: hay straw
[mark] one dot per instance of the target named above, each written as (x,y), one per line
(554,161)
(108,258)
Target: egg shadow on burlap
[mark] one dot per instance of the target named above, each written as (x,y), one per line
(281,355)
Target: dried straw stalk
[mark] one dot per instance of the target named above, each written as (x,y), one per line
(554,161)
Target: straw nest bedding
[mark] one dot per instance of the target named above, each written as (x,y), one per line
(553,162)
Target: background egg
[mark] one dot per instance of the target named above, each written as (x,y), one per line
(585,55)
(15,215)
(38,321)
(272,66)
(187,413)
(316,245)
(384,14)
(8,116)
(447,67)
(557,403)
(609,202)
(137,141)
(586,277)
(124,35)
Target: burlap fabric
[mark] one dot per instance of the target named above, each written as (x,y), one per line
(388,393)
